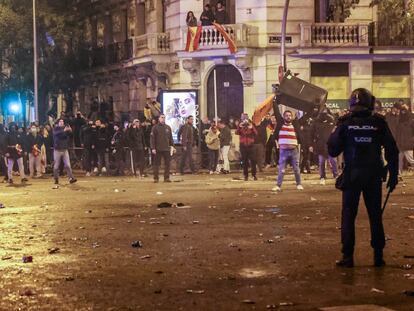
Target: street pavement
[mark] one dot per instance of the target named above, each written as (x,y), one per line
(230,245)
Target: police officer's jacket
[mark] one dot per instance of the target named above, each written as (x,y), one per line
(360,135)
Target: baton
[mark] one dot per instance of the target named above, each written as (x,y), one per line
(386,200)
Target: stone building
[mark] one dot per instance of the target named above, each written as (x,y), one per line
(136,47)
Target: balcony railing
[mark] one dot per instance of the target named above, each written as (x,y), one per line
(151,44)
(334,34)
(211,38)
(396,34)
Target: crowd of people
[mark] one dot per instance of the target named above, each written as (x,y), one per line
(99,146)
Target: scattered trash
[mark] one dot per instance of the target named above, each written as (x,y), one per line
(27,292)
(27,259)
(6,257)
(158,291)
(69,278)
(410,217)
(313,199)
(195,222)
(409,276)
(270,241)
(192,291)
(56,187)
(88,212)
(274,210)
(116,190)
(408,292)
(236,179)
(145,257)
(286,304)
(249,302)
(232,245)
(306,218)
(53,250)
(129,221)
(95,245)
(271,307)
(136,244)
(376,290)
(255,195)
(159,193)
(406,267)
(164,204)
(2,205)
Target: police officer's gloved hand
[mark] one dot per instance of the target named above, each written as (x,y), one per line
(392,182)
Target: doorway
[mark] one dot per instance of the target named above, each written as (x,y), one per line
(230,97)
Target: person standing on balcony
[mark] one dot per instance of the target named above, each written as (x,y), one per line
(221,14)
(207,17)
(191,20)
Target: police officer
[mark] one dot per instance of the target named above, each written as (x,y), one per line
(360,136)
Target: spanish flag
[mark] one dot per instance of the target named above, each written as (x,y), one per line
(226,36)
(193,38)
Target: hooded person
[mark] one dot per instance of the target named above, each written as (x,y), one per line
(360,136)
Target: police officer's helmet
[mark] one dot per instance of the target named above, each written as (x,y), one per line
(363,98)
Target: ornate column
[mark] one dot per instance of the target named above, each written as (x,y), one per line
(193,67)
(244,64)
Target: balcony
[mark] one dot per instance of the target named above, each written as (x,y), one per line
(392,34)
(334,35)
(211,40)
(151,44)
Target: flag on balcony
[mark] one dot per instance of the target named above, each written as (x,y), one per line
(193,38)
(226,36)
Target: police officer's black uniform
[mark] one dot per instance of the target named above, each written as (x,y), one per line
(360,135)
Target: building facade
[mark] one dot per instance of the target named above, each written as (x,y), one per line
(136,47)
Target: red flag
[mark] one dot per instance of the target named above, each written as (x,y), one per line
(193,38)
(229,40)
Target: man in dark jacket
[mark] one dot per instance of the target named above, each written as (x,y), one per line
(188,141)
(78,122)
(117,145)
(162,146)
(221,15)
(62,134)
(102,147)
(207,17)
(360,136)
(34,143)
(136,142)
(320,132)
(14,152)
(306,124)
(88,137)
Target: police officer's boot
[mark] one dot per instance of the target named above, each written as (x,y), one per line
(378,258)
(346,262)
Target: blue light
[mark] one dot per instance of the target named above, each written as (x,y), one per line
(14,107)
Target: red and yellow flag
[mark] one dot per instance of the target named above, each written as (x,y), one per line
(229,40)
(193,38)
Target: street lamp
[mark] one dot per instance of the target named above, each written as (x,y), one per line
(35,97)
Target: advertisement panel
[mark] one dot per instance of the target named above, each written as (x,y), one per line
(338,91)
(391,89)
(177,105)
